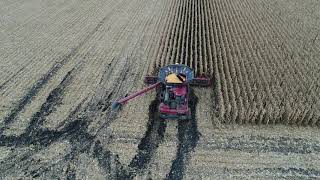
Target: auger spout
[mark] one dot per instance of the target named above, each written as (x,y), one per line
(117,104)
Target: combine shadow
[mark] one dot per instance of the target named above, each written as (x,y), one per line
(149,143)
(188,137)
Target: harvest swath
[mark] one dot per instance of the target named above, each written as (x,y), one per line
(62,64)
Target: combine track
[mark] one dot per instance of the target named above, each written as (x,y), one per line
(62,63)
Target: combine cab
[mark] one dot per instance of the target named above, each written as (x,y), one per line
(174,91)
(172,86)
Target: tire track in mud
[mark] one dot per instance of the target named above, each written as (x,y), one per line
(153,136)
(82,63)
(151,139)
(123,69)
(34,90)
(104,105)
(74,131)
(108,161)
(148,144)
(53,100)
(81,142)
(161,162)
(78,66)
(41,137)
(116,72)
(188,137)
(114,84)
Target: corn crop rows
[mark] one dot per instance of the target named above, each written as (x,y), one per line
(259,74)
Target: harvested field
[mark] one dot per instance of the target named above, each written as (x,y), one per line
(62,64)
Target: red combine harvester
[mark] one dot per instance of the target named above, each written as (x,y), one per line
(172,85)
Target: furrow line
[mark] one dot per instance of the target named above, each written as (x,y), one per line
(172,37)
(155,58)
(220,75)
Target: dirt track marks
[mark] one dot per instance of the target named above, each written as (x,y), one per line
(46,77)
(188,137)
(101,64)
(148,144)
(40,83)
(150,141)
(160,165)
(119,65)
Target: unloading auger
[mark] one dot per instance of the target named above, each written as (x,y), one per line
(173,87)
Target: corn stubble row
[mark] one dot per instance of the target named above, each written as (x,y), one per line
(258,76)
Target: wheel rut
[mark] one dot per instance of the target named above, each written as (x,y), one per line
(188,137)
(148,144)
(151,140)
(35,89)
